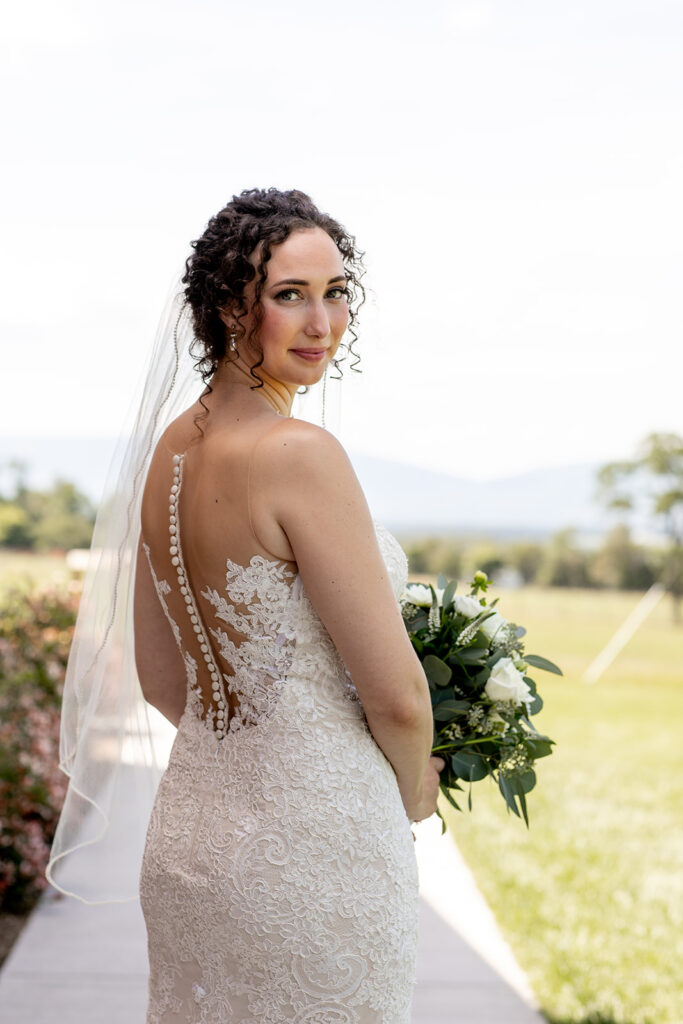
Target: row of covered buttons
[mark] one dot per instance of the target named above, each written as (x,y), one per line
(177,562)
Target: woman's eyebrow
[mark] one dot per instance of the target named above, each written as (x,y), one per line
(294,280)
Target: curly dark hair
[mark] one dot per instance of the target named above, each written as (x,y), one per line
(218,271)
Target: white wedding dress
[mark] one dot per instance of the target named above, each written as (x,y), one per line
(279,881)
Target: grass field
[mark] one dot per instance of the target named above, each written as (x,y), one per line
(591,897)
(24,569)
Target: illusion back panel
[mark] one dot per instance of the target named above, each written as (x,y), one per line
(227,600)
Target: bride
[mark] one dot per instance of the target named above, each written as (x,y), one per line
(278,882)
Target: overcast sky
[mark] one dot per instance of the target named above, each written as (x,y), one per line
(512,169)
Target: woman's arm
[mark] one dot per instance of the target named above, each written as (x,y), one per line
(159,662)
(307,480)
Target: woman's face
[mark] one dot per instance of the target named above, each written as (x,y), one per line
(305,307)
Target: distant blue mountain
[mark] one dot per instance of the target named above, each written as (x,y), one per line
(407,499)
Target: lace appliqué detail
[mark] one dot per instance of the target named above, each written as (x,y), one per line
(266,633)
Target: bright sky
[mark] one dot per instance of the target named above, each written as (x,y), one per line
(512,170)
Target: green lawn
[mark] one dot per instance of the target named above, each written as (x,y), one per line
(25,569)
(591,898)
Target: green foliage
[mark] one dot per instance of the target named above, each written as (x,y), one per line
(60,517)
(526,557)
(654,476)
(35,635)
(564,565)
(621,564)
(434,554)
(62,531)
(15,526)
(487,556)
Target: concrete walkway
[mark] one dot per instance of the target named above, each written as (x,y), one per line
(75,964)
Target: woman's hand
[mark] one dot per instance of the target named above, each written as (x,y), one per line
(426,805)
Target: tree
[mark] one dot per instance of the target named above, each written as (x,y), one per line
(61,517)
(652,481)
(15,526)
(564,564)
(622,564)
(526,557)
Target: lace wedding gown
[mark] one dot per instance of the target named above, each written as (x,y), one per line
(279,881)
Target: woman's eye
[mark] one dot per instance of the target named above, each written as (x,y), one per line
(336,293)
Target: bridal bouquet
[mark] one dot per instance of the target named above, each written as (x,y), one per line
(482,695)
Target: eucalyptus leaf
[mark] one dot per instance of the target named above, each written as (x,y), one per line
(540,746)
(522,801)
(508,793)
(482,677)
(450,799)
(469,766)
(449,593)
(536,704)
(494,658)
(441,581)
(472,655)
(436,670)
(517,787)
(446,710)
(538,662)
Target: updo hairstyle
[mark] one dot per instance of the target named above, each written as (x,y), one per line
(218,271)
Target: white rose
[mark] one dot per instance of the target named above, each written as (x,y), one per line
(490,626)
(507,684)
(418,594)
(467,606)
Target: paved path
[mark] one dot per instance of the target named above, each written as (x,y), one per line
(75,964)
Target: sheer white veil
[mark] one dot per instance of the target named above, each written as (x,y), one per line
(113,745)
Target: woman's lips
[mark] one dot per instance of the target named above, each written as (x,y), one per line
(311,355)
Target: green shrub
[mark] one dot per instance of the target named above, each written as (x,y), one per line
(35,635)
(15,526)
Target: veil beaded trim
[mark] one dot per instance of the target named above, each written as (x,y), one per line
(113,745)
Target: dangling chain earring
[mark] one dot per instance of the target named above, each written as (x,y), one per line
(324,390)
(233,346)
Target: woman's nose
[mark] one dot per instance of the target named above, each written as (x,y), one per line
(318,325)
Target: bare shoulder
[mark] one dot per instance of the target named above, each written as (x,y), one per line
(295,448)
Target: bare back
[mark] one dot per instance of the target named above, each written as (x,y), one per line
(196,524)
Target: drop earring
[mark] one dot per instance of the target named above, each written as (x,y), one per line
(233,346)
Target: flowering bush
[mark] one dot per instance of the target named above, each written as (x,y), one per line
(35,635)
(482,696)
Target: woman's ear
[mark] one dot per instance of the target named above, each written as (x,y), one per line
(227,318)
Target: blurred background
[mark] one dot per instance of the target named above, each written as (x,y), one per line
(512,172)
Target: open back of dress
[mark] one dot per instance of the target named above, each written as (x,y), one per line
(228,604)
